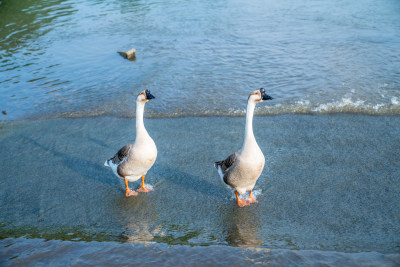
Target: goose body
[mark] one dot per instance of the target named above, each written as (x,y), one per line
(241,169)
(133,161)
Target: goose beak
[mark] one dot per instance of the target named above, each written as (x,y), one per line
(148,95)
(264,96)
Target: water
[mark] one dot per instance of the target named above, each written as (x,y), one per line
(331,184)
(329,191)
(59,58)
(110,254)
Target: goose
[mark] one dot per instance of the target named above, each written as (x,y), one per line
(241,170)
(130,54)
(133,161)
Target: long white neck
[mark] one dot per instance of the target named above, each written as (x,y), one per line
(139,118)
(249,135)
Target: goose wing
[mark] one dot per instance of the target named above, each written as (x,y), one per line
(227,163)
(121,155)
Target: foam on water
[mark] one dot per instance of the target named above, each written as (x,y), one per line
(256,193)
(343,105)
(149,186)
(304,106)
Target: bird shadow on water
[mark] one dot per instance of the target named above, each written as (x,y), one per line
(81,166)
(99,142)
(187,181)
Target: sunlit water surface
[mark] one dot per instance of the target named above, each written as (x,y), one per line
(59,58)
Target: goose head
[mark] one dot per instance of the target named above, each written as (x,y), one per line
(144,96)
(259,95)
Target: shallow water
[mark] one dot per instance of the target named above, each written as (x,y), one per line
(59,58)
(331,182)
(329,191)
(55,252)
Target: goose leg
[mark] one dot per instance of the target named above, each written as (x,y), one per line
(143,188)
(128,191)
(241,202)
(252,199)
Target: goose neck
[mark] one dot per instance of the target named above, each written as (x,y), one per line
(139,117)
(249,135)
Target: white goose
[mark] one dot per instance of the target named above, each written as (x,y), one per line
(134,160)
(241,170)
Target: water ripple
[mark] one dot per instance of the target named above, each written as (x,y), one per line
(211,56)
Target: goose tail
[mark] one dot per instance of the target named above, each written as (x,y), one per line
(123,54)
(217,165)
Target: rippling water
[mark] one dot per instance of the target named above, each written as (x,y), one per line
(331,182)
(330,187)
(329,193)
(58,58)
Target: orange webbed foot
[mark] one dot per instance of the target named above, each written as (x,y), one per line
(252,199)
(144,189)
(130,193)
(241,202)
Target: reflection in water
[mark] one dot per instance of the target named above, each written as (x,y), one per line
(242,226)
(28,32)
(24,21)
(139,218)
